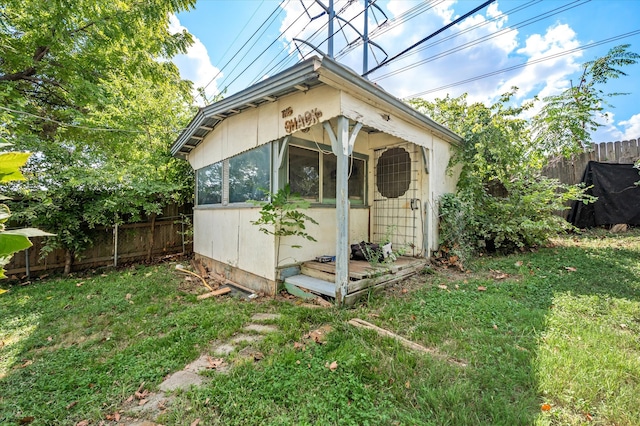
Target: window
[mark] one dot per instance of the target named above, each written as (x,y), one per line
(209,184)
(356,179)
(304,173)
(249,175)
(311,170)
(238,179)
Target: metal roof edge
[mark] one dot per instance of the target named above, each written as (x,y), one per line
(279,84)
(289,78)
(187,132)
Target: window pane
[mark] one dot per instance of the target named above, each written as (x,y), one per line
(209,184)
(356,179)
(304,173)
(249,175)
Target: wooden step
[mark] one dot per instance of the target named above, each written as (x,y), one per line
(316,285)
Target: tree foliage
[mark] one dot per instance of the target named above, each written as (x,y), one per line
(283,216)
(12,241)
(89,89)
(565,122)
(502,199)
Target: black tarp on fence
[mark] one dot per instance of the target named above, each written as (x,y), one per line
(618,196)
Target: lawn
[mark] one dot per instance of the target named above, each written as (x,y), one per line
(548,337)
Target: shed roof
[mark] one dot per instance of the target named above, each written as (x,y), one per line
(303,76)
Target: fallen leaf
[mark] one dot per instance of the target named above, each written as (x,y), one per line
(319,335)
(196,422)
(457,286)
(333,366)
(453,259)
(26,420)
(49,339)
(128,296)
(130,399)
(258,356)
(142,402)
(404,291)
(482,288)
(80,284)
(407,385)
(570,268)
(298,346)
(215,362)
(142,395)
(501,276)
(73,404)
(545,407)
(298,362)
(495,327)
(589,417)
(117,416)
(83,423)
(442,287)
(26,363)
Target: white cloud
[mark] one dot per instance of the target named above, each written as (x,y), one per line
(195,65)
(631,127)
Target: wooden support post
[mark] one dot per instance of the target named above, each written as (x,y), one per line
(342,146)
(115,245)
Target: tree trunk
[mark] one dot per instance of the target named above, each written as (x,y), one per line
(152,236)
(68,261)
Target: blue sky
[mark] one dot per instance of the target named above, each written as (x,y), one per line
(544,42)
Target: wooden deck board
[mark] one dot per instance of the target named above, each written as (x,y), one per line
(320,277)
(360,269)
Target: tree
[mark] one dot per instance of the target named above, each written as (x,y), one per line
(502,200)
(565,122)
(90,91)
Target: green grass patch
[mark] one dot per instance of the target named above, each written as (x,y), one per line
(558,326)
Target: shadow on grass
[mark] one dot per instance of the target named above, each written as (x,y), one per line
(75,348)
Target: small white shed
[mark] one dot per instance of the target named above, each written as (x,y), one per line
(372,167)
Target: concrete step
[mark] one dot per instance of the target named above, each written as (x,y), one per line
(316,285)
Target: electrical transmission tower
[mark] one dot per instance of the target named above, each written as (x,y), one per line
(362,37)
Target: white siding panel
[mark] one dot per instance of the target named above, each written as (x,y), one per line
(256,250)
(325,233)
(227,235)
(242,134)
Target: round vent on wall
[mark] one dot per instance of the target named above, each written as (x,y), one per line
(393,172)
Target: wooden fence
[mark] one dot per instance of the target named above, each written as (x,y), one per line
(570,171)
(166,235)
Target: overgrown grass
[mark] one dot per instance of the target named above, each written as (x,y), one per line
(560,326)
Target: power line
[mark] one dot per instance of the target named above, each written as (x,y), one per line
(482,39)
(246,24)
(533,62)
(101,129)
(277,9)
(454,22)
(394,22)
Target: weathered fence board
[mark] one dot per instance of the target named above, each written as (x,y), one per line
(570,170)
(132,245)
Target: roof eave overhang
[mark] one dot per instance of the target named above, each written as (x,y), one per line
(300,77)
(331,68)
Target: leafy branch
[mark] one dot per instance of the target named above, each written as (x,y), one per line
(282,217)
